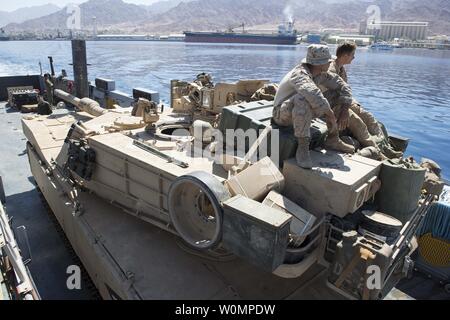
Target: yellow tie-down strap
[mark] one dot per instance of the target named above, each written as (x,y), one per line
(434,251)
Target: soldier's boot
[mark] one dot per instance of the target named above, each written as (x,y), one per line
(333,142)
(391,153)
(303,155)
(359,130)
(372,153)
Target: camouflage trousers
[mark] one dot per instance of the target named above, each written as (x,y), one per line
(296,112)
(356,124)
(369,120)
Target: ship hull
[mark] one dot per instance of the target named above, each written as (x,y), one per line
(239,38)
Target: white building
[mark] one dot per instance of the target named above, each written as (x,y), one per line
(388,30)
(360,40)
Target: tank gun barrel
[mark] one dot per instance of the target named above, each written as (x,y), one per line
(67,97)
(86,104)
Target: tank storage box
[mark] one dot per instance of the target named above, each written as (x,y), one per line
(137,177)
(401,188)
(23,98)
(302,221)
(338,184)
(257,181)
(146,94)
(105,84)
(122,99)
(252,115)
(257,116)
(12,90)
(228,93)
(255,232)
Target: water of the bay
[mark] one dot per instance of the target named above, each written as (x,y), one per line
(407,89)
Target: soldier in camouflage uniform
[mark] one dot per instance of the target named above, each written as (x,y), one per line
(204,80)
(299,100)
(361,123)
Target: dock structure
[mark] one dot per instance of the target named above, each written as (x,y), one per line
(51,253)
(80,68)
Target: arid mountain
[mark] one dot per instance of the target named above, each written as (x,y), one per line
(24,14)
(436,12)
(177,16)
(107,13)
(309,15)
(163,6)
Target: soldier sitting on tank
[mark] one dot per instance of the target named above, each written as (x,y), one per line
(299,100)
(204,80)
(49,88)
(362,124)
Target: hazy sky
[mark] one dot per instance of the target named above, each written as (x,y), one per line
(13,5)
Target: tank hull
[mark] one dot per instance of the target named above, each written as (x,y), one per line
(118,251)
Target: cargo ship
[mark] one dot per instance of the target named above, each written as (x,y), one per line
(286,36)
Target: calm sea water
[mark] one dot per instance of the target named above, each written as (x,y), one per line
(408,89)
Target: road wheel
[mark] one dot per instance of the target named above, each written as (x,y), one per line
(195,209)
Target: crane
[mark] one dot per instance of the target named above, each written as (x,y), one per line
(231,29)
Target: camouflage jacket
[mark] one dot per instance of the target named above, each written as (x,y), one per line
(300,81)
(339,71)
(335,96)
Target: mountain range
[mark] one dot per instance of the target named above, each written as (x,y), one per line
(200,15)
(28,13)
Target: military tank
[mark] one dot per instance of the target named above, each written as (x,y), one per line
(204,201)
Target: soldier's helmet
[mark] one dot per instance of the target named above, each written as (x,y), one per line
(318,55)
(204,77)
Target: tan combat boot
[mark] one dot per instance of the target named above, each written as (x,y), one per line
(333,142)
(372,153)
(303,156)
(391,153)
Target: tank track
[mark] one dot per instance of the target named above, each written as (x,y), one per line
(85,278)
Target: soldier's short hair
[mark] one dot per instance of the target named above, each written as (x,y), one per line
(345,48)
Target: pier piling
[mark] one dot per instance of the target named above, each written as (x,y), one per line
(80,68)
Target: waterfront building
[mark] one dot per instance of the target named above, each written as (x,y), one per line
(388,30)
